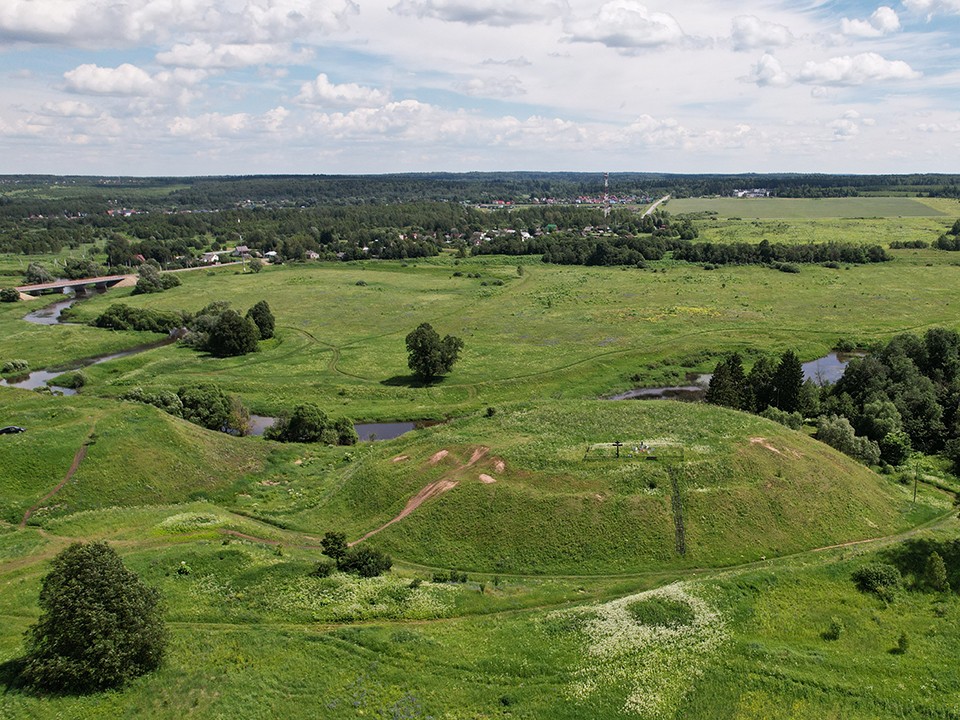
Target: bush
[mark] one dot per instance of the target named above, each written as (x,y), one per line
(324,569)
(793,420)
(365,561)
(935,573)
(15,366)
(308,423)
(207,405)
(164,399)
(835,630)
(124,317)
(99,627)
(73,380)
(9,295)
(903,644)
(263,318)
(882,579)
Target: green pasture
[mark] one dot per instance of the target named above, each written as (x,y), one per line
(252,635)
(813,208)
(571,332)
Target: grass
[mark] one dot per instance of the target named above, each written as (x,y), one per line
(527,502)
(578,603)
(568,332)
(810,208)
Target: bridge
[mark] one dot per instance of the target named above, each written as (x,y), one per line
(104,281)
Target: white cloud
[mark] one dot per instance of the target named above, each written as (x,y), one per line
(627,26)
(855,70)
(69,109)
(494,87)
(768,72)
(200,54)
(503,13)
(751,33)
(883,22)
(322,92)
(933,7)
(209,126)
(126,79)
(108,23)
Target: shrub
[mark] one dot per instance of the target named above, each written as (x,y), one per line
(164,399)
(15,366)
(99,627)
(124,317)
(73,380)
(334,545)
(324,569)
(882,579)
(903,644)
(835,630)
(9,295)
(365,561)
(935,573)
(793,420)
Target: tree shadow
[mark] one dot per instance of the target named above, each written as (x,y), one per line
(11,675)
(910,557)
(411,381)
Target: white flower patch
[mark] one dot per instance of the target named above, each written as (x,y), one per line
(656,662)
(344,597)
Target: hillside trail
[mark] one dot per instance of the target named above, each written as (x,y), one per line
(77,459)
(434,489)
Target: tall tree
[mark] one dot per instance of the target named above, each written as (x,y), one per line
(263,318)
(728,386)
(787,382)
(428,355)
(99,627)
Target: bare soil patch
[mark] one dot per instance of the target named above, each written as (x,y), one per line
(430,491)
(400,458)
(486,479)
(762,442)
(438,456)
(499,465)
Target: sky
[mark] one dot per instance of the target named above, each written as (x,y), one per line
(228,87)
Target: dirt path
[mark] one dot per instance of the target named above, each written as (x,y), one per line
(432,490)
(77,459)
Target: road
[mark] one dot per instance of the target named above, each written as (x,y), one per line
(656,205)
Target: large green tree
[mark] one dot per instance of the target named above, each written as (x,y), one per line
(99,627)
(428,355)
(263,318)
(233,335)
(787,382)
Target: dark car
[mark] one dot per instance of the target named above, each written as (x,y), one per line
(11,429)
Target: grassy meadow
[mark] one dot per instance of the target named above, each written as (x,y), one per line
(570,332)
(708,583)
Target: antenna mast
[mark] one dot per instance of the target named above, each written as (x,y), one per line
(606,195)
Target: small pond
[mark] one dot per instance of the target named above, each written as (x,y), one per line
(824,370)
(366,431)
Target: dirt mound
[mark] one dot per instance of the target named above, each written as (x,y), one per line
(438,456)
(499,465)
(477,454)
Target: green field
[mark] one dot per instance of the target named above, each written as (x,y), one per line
(814,208)
(569,332)
(743,534)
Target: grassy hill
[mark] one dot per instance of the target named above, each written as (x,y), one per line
(133,455)
(514,492)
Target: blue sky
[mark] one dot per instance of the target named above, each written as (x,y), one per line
(187,87)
